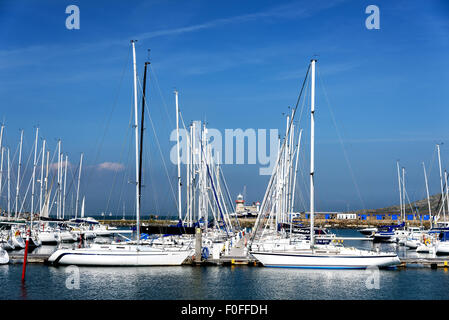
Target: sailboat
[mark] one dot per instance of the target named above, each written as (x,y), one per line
(4,257)
(306,253)
(130,254)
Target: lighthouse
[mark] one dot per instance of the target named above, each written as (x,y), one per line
(240,204)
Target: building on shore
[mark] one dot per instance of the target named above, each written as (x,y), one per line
(242,210)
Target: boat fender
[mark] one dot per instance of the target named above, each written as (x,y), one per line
(205,252)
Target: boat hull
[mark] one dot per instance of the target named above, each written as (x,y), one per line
(442,248)
(4,257)
(48,237)
(324,261)
(123,257)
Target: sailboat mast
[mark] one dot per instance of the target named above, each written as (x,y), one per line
(403,193)
(59,180)
(1,164)
(34,177)
(141,130)
(441,180)
(18,175)
(65,183)
(78,187)
(178,157)
(9,188)
(42,177)
(428,196)
(1,169)
(400,188)
(312,154)
(136,129)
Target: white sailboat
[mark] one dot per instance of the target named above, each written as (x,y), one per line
(4,257)
(124,254)
(307,254)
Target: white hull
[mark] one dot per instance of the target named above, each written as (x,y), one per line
(368,232)
(422,248)
(48,237)
(67,236)
(443,248)
(412,244)
(4,257)
(120,255)
(7,245)
(306,259)
(18,242)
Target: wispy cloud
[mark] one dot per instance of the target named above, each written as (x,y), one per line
(290,11)
(111,166)
(54,166)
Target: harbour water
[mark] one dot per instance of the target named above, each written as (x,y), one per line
(224,282)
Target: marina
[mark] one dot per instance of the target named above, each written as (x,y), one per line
(225,151)
(238,256)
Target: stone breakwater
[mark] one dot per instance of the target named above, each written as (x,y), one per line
(249,223)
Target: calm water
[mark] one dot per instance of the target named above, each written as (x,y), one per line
(239,282)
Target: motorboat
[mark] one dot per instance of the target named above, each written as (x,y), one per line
(368,232)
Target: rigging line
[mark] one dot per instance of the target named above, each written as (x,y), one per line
(160,150)
(153,188)
(53,176)
(341,142)
(108,121)
(28,161)
(26,193)
(256,225)
(162,97)
(122,150)
(125,175)
(432,163)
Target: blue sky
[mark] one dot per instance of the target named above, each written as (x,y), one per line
(236,64)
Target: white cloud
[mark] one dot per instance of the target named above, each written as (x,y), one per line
(112,166)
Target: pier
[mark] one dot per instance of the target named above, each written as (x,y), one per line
(238,258)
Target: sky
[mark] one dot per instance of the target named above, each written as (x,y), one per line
(381,93)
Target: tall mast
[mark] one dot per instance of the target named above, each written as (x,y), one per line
(18,175)
(136,129)
(46,175)
(34,177)
(42,177)
(312,155)
(1,164)
(9,189)
(188,179)
(447,191)
(178,157)
(78,187)
(58,214)
(400,188)
(428,196)
(1,170)
(191,176)
(296,172)
(441,180)
(194,172)
(65,183)
(141,130)
(403,193)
